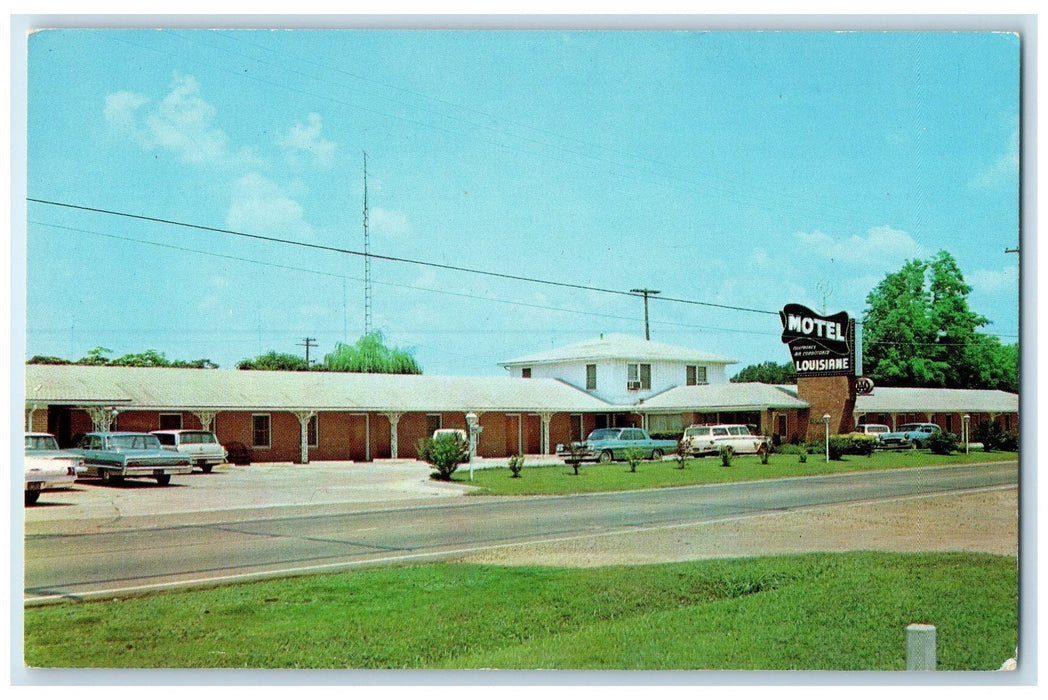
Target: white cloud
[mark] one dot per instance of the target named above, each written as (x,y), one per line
(181,123)
(306,138)
(881,245)
(988,281)
(1004,168)
(389,222)
(259,204)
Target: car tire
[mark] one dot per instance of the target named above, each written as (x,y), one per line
(31,497)
(163,479)
(110,478)
(656,455)
(206,468)
(606,456)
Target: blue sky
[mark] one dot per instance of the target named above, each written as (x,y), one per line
(743,169)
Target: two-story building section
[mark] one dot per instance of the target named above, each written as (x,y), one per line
(622,369)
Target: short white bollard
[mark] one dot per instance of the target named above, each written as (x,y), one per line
(920,648)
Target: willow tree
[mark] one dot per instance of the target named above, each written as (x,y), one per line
(370,354)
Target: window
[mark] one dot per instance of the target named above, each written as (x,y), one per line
(638,376)
(167,439)
(591,377)
(576,427)
(170,421)
(695,374)
(260,430)
(673,423)
(525,373)
(313,431)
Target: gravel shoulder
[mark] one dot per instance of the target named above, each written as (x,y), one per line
(982,521)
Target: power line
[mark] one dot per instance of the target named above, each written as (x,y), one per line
(388,258)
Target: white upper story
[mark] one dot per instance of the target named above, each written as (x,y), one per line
(622,369)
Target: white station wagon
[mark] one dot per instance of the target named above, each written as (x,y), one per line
(199,445)
(708,439)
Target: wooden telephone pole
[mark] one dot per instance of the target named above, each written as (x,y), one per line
(646,293)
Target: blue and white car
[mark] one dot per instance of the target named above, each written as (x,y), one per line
(114,457)
(910,435)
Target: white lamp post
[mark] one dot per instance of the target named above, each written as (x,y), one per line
(967,434)
(826,420)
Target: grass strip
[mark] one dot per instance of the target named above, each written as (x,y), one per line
(554,479)
(814,612)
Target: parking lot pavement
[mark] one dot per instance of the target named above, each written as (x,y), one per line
(318,485)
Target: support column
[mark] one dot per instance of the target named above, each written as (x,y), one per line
(303,421)
(394,419)
(29,418)
(206,418)
(102,417)
(546,418)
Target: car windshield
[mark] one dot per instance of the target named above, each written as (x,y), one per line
(40,442)
(876,428)
(134,442)
(910,426)
(604,434)
(702,430)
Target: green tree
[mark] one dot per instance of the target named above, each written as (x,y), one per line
(97,356)
(768,373)
(919,331)
(272,361)
(370,354)
(47,360)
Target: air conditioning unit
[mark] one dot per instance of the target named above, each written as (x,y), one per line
(632,386)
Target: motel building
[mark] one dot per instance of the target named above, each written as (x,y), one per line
(549,398)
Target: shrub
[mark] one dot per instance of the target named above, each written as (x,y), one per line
(445,452)
(763,454)
(238,453)
(989,434)
(683,445)
(575,452)
(516,463)
(634,456)
(942,443)
(726,453)
(802,457)
(1009,441)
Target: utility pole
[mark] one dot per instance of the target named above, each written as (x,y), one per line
(367,255)
(646,293)
(309,343)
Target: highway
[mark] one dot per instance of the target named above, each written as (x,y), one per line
(78,559)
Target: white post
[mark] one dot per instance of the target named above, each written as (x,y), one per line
(967,431)
(394,418)
(546,418)
(472,420)
(826,420)
(920,648)
(206,418)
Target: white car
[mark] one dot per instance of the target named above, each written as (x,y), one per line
(199,445)
(874,430)
(708,439)
(46,466)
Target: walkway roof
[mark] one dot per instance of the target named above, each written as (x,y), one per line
(218,389)
(742,396)
(907,400)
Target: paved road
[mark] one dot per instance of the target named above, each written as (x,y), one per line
(79,559)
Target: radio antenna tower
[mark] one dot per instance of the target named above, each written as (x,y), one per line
(367,256)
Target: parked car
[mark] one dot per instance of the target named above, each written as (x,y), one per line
(709,439)
(46,466)
(114,457)
(201,445)
(609,444)
(910,435)
(871,430)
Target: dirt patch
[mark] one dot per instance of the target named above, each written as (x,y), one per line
(981,521)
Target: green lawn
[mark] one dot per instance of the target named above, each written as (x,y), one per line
(816,611)
(560,478)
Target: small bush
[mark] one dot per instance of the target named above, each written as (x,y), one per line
(942,443)
(634,456)
(445,452)
(763,454)
(575,452)
(516,463)
(989,434)
(726,453)
(802,458)
(681,455)
(1009,441)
